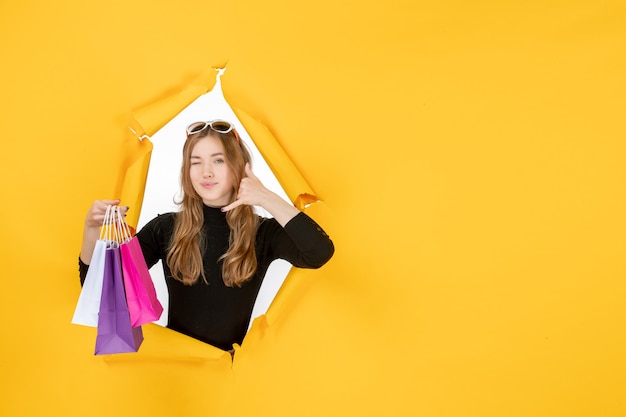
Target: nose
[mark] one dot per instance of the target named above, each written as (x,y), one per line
(207,171)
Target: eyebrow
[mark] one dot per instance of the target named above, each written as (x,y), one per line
(212,155)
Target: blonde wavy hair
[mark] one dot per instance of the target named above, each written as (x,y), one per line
(184,256)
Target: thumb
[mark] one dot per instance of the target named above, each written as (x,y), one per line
(249,172)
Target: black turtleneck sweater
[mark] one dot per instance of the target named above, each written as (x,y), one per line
(214,313)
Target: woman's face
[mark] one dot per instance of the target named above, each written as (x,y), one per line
(210,175)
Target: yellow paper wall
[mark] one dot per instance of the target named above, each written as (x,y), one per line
(470,156)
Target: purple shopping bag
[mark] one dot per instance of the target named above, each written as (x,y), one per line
(143,304)
(115,333)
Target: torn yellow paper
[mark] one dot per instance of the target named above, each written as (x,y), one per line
(150,118)
(294,184)
(163,344)
(152,179)
(133,183)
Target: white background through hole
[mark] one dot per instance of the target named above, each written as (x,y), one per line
(163,185)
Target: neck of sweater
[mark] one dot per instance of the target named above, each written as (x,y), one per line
(214,216)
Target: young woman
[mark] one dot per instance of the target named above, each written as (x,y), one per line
(216,250)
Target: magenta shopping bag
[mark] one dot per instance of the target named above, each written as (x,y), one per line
(115,333)
(143,305)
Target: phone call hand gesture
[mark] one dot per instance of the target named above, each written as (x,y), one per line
(251,191)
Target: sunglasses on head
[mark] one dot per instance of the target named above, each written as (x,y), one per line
(219,126)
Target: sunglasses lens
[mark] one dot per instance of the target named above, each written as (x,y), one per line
(196,127)
(222,127)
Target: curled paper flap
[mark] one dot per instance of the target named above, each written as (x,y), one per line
(134,174)
(296,187)
(150,118)
(162,345)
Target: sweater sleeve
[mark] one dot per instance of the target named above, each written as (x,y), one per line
(82,270)
(302,242)
(154,238)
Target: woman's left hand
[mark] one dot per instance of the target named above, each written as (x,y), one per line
(251,191)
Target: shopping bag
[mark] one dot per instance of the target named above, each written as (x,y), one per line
(88,305)
(143,304)
(115,333)
(141,298)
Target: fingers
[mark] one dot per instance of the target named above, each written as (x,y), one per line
(251,191)
(97,212)
(247,194)
(103,204)
(109,202)
(232,205)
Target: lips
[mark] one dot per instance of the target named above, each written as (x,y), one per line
(208,184)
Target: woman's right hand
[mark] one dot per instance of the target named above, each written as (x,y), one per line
(95,215)
(93,221)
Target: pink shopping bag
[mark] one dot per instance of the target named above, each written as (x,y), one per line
(143,305)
